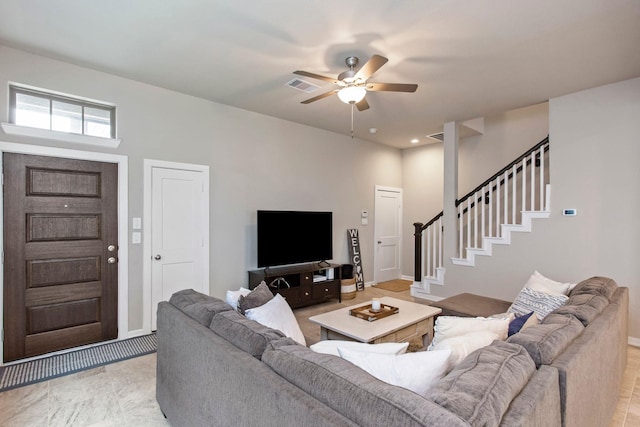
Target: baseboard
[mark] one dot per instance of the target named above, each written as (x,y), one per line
(136,333)
(634,341)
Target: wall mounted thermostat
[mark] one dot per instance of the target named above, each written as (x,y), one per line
(569,212)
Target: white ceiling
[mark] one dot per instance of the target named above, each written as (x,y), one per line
(470,58)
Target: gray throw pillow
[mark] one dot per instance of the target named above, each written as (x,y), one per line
(259,296)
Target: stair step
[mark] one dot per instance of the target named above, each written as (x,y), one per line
(504,239)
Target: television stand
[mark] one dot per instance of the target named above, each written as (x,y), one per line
(296,283)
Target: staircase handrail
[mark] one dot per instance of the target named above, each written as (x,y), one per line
(434,219)
(545,141)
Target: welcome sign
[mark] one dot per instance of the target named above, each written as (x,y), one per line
(356,259)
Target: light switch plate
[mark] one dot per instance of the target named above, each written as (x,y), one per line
(136,237)
(137,223)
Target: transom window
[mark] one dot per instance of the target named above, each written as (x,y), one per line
(42,110)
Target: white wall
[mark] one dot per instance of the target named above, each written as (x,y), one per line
(594,152)
(256,162)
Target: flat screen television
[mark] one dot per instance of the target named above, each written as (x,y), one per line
(294,237)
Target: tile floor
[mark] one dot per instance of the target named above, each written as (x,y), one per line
(123,394)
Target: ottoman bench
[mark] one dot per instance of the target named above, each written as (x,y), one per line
(471,305)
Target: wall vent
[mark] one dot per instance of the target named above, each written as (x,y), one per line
(302,85)
(437,136)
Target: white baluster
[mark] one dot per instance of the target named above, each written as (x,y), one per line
(469,222)
(491,209)
(440,242)
(460,212)
(482,235)
(498,228)
(427,237)
(506,197)
(514,172)
(542,207)
(533,182)
(524,184)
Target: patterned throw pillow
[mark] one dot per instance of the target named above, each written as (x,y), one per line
(540,303)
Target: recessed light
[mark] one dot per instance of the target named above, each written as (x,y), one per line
(415,140)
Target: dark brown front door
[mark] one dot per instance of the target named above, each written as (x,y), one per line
(60,254)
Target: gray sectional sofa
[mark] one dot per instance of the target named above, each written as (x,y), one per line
(217,368)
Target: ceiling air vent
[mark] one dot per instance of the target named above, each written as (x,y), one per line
(302,85)
(437,136)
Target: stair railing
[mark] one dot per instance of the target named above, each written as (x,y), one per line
(485,208)
(429,236)
(516,188)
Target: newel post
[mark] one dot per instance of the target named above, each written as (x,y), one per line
(417,263)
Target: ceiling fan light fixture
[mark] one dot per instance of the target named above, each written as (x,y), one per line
(352,94)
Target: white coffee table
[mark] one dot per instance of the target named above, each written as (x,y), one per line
(413,323)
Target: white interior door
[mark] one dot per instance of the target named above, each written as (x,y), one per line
(179,234)
(388,238)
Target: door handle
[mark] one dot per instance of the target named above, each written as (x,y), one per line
(157,257)
(111,248)
(111,260)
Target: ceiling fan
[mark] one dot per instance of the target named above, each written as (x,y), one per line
(353,85)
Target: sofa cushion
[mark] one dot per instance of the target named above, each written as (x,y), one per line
(351,391)
(596,285)
(197,305)
(585,307)
(480,389)
(246,334)
(257,297)
(546,341)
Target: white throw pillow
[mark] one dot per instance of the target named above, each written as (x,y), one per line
(233,296)
(541,283)
(331,347)
(453,326)
(277,314)
(417,372)
(540,303)
(463,345)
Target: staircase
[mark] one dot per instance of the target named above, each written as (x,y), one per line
(504,204)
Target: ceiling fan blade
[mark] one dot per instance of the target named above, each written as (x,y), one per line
(322,95)
(315,76)
(370,67)
(362,105)
(391,87)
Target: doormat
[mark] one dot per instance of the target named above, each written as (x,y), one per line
(33,371)
(397,285)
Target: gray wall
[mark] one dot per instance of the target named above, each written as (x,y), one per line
(595,147)
(256,162)
(506,136)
